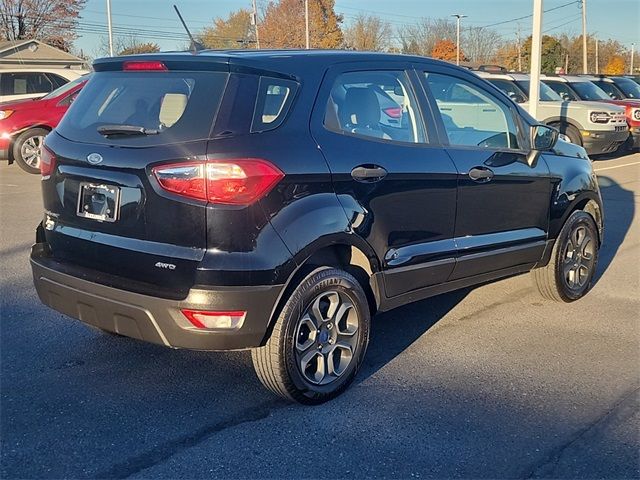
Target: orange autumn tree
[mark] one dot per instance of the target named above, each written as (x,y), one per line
(615,66)
(283,25)
(446,50)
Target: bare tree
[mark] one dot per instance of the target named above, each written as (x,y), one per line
(481,44)
(421,38)
(368,32)
(51,21)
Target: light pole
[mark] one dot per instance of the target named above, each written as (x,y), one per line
(536,58)
(633,47)
(585,66)
(306,22)
(458,17)
(109,28)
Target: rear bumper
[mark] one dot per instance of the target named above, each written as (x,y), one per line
(153,319)
(597,142)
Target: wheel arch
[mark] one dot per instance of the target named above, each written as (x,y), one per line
(350,254)
(567,120)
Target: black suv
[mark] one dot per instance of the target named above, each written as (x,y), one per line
(276,200)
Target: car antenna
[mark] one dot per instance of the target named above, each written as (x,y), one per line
(195,47)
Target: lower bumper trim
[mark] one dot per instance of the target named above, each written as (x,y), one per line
(157,320)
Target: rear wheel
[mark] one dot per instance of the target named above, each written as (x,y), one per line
(569,274)
(27,149)
(318,341)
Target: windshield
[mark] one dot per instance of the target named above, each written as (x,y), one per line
(589,91)
(630,88)
(610,89)
(66,87)
(546,93)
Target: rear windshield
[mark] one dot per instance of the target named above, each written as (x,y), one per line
(170,106)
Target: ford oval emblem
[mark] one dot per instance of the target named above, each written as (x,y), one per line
(94,158)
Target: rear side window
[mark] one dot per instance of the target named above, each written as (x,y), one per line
(24,83)
(172,106)
(272,103)
(375,104)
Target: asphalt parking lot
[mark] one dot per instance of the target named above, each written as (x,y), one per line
(488,382)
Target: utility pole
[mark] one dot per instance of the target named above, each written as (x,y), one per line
(306,22)
(536,59)
(585,67)
(633,47)
(109,28)
(597,59)
(254,21)
(458,17)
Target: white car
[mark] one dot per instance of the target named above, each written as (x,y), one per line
(23,83)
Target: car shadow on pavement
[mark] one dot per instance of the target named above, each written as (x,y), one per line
(619,210)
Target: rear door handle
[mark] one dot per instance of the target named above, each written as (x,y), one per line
(481,174)
(368,173)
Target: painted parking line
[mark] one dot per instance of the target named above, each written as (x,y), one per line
(615,166)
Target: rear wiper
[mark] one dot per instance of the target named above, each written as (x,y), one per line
(108,130)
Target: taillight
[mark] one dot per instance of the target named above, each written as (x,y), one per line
(146,66)
(47,162)
(230,182)
(215,320)
(393,112)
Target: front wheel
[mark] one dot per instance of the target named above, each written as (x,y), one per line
(318,341)
(569,274)
(27,149)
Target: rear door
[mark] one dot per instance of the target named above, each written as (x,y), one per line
(395,182)
(105,207)
(503,202)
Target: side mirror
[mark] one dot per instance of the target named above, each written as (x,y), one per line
(543,138)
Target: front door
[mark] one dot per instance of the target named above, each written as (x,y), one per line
(503,202)
(398,190)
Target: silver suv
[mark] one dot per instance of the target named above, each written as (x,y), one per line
(598,127)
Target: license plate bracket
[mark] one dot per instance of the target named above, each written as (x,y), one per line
(98,202)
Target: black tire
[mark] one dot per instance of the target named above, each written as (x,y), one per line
(570,131)
(569,274)
(279,364)
(33,135)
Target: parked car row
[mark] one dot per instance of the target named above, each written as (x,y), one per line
(577,106)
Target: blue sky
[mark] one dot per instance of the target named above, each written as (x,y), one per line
(617,19)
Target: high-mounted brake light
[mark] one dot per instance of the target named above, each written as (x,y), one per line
(144,66)
(215,320)
(47,162)
(232,182)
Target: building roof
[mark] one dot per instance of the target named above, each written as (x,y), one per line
(29,52)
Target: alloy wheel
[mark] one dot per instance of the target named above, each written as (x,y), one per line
(578,259)
(326,337)
(31,150)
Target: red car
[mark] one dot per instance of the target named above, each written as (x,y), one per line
(24,124)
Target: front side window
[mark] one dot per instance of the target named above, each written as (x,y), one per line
(472,116)
(546,93)
(376,104)
(562,89)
